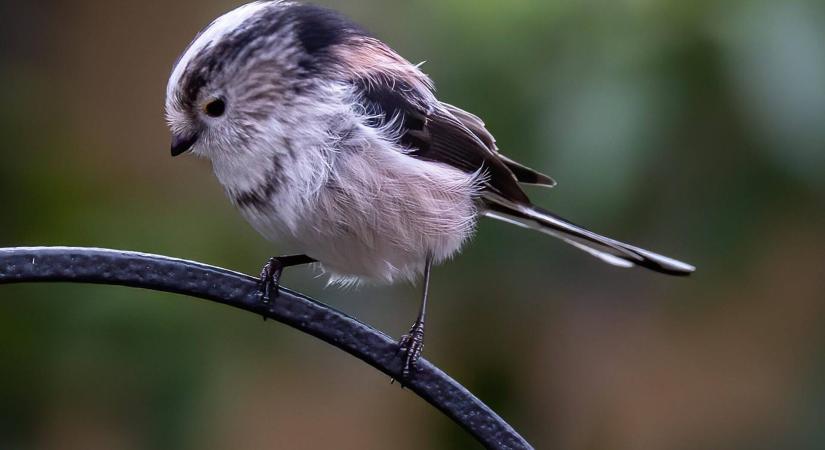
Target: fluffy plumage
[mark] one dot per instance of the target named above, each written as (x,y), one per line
(335,146)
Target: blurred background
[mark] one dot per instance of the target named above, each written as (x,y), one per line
(696,129)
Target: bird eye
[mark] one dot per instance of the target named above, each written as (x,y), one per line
(215,108)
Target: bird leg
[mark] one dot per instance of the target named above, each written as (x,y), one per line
(412,343)
(271,274)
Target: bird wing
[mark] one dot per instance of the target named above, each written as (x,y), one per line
(432,132)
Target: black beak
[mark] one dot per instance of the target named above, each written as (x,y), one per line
(183,142)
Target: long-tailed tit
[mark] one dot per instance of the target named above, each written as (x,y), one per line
(336,147)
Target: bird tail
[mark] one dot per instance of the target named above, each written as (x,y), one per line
(608,250)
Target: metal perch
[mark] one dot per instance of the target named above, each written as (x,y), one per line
(160,273)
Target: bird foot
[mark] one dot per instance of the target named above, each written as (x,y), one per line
(411,345)
(270,280)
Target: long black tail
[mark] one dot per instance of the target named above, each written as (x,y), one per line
(608,250)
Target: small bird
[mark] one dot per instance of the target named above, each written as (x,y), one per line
(334,146)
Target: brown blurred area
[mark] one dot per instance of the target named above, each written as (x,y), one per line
(691,128)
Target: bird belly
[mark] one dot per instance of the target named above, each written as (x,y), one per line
(379,216)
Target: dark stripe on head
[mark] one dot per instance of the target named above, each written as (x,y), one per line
(318,29)
(246,40)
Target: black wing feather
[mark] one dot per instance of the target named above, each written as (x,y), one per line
(433,133)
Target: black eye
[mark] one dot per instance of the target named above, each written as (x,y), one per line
(215,108)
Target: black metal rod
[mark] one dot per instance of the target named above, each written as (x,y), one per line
(160,273)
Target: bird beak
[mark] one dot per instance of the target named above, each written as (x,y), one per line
(182,143)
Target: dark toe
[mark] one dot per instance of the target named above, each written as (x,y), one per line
(411,346)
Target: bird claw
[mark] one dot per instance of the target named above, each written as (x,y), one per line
(411,344)
(270,280)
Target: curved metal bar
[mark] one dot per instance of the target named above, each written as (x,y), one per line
(160,273)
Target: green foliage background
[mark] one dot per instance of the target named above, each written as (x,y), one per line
(693,128)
